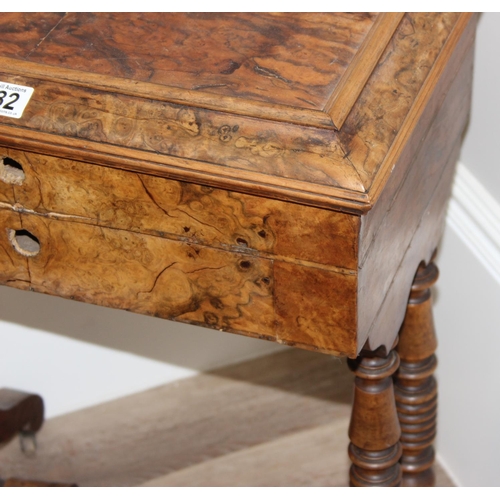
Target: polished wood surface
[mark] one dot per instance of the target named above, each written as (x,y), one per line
(280,176)
(412,209)
(292,67)
(191,283)
(110,120)
(374,430)
(355,292)
(82,192)
(415,385)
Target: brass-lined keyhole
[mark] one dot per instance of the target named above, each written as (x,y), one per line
(24,242)
(11,171)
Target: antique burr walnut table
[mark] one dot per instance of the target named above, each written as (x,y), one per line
(281,176)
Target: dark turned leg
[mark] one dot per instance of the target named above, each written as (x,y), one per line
(415,385)
(19,412)
(374,431)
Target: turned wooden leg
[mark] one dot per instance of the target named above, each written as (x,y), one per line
(374,431)
(415,385)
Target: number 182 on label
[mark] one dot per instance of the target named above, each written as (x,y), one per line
(13,99)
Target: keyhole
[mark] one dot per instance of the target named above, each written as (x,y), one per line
(11,171)
(24,242)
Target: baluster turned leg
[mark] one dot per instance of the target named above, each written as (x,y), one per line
(374,431)
(415,385)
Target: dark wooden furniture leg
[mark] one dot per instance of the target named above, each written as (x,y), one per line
(19,412)
(374,431)
(415,385)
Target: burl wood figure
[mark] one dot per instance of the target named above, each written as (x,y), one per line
(281,176)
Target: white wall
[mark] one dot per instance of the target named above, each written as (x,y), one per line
(480,148)
(467,308)
(467,314)
(78,355)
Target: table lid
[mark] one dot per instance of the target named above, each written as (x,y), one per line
(295,106)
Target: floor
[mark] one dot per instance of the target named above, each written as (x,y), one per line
(280,420)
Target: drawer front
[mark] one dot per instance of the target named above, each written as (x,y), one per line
(177,210)
(293,304)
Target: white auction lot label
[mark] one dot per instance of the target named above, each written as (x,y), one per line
(13,99)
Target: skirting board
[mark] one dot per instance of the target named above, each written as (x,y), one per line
(474,215)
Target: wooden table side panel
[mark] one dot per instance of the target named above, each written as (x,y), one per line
(425,241)
(178,210)
(315,307)
(149,275)
(417,130)
(396,233)
(185,282)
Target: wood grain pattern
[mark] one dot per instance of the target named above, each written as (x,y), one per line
(315,307)
(199,172)
(421,115)
(286,161)
(151,275)
(20,34)
(415,385)
(406,213)
(220,289)
(391,91)
(186,212)
(353,80)
(374,429)
(273,149)
(293,60)
(185,166)
(421,249)
(418,96)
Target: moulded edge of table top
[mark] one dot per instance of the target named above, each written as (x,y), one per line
(289,189)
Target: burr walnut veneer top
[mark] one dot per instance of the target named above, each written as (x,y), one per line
(280,176)
(300,107)
(295,61)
